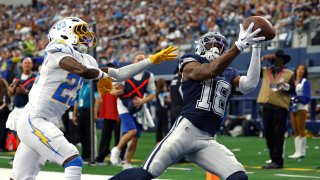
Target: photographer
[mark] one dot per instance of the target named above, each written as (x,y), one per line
(274,97)
(19,89)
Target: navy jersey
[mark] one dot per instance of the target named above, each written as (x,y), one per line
(204,102)
(135,88)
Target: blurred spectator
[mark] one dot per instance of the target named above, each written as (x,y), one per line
(19,89)
(162,103)
(274,99)
(129,104)
(4,112)
(127,26)
(240,125)
(106,107)
(22,84)
(81,118)
(70,131)
(300,98)
(176,96)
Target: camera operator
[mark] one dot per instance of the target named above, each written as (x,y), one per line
(274,97)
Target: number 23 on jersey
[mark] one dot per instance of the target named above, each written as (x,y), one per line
(65,92)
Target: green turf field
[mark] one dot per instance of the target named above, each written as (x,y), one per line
(250,151)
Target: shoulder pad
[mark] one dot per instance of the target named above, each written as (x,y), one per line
(186,58)
(59,46)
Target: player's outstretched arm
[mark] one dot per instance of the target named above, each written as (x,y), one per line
(104,84)
(200,72)
(246,84)
(128,71)
(70,64)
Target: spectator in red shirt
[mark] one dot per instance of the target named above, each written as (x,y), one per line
(106,107)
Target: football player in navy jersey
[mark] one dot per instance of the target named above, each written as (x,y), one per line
(207,84)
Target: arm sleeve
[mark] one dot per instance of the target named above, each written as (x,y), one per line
(249,83)
(128,71)
(56,50)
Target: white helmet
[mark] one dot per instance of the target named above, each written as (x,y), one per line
(211,45)
(73,31)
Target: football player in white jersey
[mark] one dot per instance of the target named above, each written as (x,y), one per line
(64,67)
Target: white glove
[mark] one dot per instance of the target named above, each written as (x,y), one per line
(248,38)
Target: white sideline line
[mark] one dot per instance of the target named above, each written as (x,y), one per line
(297,176)
(46,175)
(5,157)
(180,169)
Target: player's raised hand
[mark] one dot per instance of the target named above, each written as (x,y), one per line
(248,38)
(163,55)
(104,85)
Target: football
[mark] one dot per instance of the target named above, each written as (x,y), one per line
(267,29)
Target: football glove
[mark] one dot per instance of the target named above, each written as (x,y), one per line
(163,55)
(248,38)
(104,85)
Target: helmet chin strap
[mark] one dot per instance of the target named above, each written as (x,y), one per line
(212,54)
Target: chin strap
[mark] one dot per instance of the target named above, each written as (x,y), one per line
(212,54)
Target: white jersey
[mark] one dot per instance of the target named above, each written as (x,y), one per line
(55,89)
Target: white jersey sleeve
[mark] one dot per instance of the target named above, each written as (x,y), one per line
(91,61)
(56,57)
(59,49)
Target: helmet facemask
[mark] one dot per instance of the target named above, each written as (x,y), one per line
(86,38)
(211,46)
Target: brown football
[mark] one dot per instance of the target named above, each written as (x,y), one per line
(267,29)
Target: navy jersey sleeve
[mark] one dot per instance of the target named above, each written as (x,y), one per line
(233,73)
(186,58)
(236,73)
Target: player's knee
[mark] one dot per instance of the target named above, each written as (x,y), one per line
(77,161)
(240,175)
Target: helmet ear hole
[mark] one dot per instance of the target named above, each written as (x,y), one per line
(64,37)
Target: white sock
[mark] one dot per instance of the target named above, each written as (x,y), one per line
(72,173)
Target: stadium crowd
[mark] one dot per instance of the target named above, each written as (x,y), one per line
(125,26)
